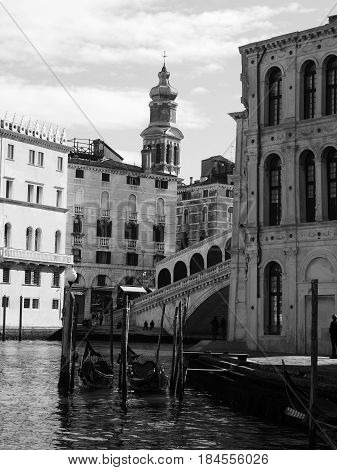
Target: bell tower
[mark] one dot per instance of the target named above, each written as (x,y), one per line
(161,139)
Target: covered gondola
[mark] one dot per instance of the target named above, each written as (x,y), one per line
(145,374)
(94,371)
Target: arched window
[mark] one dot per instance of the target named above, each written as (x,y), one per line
(214,256)
(37,241)
(160,206)
(29,238)
(158,153)
(275,191)
(132,203)
(275,96)
(196,264)
(273,304)
(77,225)
(57,241)
(331,86)
(309,90)
(7,235)
(204,214)
(180,271)
(175,155)
(331,163)
(307,187)
(168,148)
(186,216)
(105,200)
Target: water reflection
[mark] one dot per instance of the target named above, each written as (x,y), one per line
(34,416)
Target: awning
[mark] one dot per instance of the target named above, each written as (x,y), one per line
(133,290)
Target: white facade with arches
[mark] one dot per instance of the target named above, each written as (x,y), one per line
(285,196)
(33,193)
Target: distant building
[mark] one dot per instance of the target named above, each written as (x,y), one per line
(33,223)
(122,218)
(285,198)
(205,207)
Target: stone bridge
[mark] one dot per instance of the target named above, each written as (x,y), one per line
(206,291)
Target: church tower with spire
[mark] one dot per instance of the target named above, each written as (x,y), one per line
(161,139)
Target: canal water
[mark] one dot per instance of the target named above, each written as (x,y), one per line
(34,416)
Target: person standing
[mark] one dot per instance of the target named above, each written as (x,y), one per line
(215,326)
(333,336)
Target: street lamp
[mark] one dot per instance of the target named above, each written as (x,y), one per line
(70,275)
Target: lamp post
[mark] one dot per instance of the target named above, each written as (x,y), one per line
(66,369)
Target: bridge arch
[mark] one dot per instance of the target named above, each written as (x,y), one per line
(164,278)
(214,256)
(196,263)
(179,271)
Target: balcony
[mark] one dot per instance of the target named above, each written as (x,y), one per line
(131,244)
(77,240)
(34,257)
(103,242)
(160,247)
(160,219)
(132,216)
(105,213)
(78,210)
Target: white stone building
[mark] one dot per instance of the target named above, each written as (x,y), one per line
(33,195)
(285,198)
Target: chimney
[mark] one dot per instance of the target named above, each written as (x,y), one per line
(146,159)
(191,180)
(332,19)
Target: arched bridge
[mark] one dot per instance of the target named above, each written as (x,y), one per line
(207,292)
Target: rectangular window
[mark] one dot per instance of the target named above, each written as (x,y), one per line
(134,180)
(205,193)
(77,255)
(106,177)
(26,303)
(9,189)
(39,194)
(35,303)
(103,257)
(40,158)
(55,304)
(132,259)
(32,157)
(161,184)
(79,173)
(30,194)
(185,196)
(5,275)
(36,278)
(59,198)
(28,276)
(56,279)
(60,164)
(10,152)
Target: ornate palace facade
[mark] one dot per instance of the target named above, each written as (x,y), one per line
(285,199)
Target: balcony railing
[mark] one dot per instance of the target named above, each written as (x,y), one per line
(105,212)
(36,257)
(77,240)
(132,216)
(78,210)
(160,247)
(103,242)
(160,219)
(131,244)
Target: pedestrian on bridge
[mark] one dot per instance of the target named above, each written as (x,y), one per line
(333,336)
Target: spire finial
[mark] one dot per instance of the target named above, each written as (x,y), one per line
(164,57)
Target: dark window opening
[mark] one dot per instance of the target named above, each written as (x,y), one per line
(101,280)
(275,97)
(106,177)
(332,184)
(131,231)
(79,173)
(161,184)
(133,180)
(310,191)
(309,91)
(275,191)
(104,228)
(103,257)
(274,325)
(5,275)
(158,233)
(77,254)
(132,259)
(331,86)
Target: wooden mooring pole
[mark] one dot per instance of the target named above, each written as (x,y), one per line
(160,332)
(20,319)
(174,351)
(4,306)
(314,354)
(74,316)
(111,335)
(64,380)
(181,355)
(124,351)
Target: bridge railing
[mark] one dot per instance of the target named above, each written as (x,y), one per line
(185,284)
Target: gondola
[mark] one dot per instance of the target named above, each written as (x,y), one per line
(145,374)
(94,371)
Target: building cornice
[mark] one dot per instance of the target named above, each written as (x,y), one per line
(32,205)
(297,37)
(38,142)
(197,187)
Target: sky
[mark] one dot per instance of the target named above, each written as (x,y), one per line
(88,66)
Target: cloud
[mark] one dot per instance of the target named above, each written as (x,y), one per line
(199,90)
